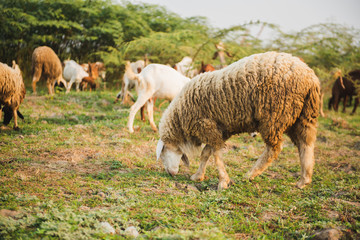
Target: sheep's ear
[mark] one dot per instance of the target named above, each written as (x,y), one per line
(159,148)
(185,159)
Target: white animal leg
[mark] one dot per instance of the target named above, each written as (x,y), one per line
(135,108)
(63,81)
(264,161)
(150,110)
(78,86)
(124,92)
(205,155)
(72,80)
(224,179)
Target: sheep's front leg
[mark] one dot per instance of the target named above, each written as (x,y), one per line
(205,155)
(224,179)
(264,161)
(16,127)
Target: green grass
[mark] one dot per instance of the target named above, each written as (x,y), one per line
(74,165)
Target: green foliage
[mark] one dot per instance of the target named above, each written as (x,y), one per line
(102,30)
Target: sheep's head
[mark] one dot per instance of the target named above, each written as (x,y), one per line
(170,156)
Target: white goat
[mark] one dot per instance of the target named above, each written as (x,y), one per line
(136,67)
(73,72)
(155,81)
(185,68)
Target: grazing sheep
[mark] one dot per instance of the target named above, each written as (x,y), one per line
(46,63)
(155,81)
(127,84)
(74,73)
(12,92)
(271,93)
(345,88)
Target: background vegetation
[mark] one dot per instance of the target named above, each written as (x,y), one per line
(73,165)
(89,30)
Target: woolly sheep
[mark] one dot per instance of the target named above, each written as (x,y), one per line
(271,93)
(46,63)
(155,81)
(12,92)
(74,73)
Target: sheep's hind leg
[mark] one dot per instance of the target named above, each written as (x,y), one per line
(224,179)
(303,135)
(205,155)
(270,154)
(36,78)
(307,162)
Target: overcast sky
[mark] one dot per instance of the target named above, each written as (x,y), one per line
(289,15)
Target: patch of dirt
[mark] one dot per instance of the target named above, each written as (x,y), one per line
(356,145)
(340,123)
(345,167)
(268,216)
(356,204)
(69,155)
(9,213)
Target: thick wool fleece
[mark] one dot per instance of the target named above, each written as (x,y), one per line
(46,63)
(12,88)
(271,93)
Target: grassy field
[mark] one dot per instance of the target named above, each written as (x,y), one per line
(73,166)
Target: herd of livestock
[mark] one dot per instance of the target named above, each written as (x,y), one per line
(270,93)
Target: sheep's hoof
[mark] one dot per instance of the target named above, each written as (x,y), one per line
(197,177)
(249,176)
(302,183)
(224,184)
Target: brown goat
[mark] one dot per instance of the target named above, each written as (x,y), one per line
(91,79)
(206,68)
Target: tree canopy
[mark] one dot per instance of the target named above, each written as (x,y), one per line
(101,30)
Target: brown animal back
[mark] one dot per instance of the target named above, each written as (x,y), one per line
(45,58)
